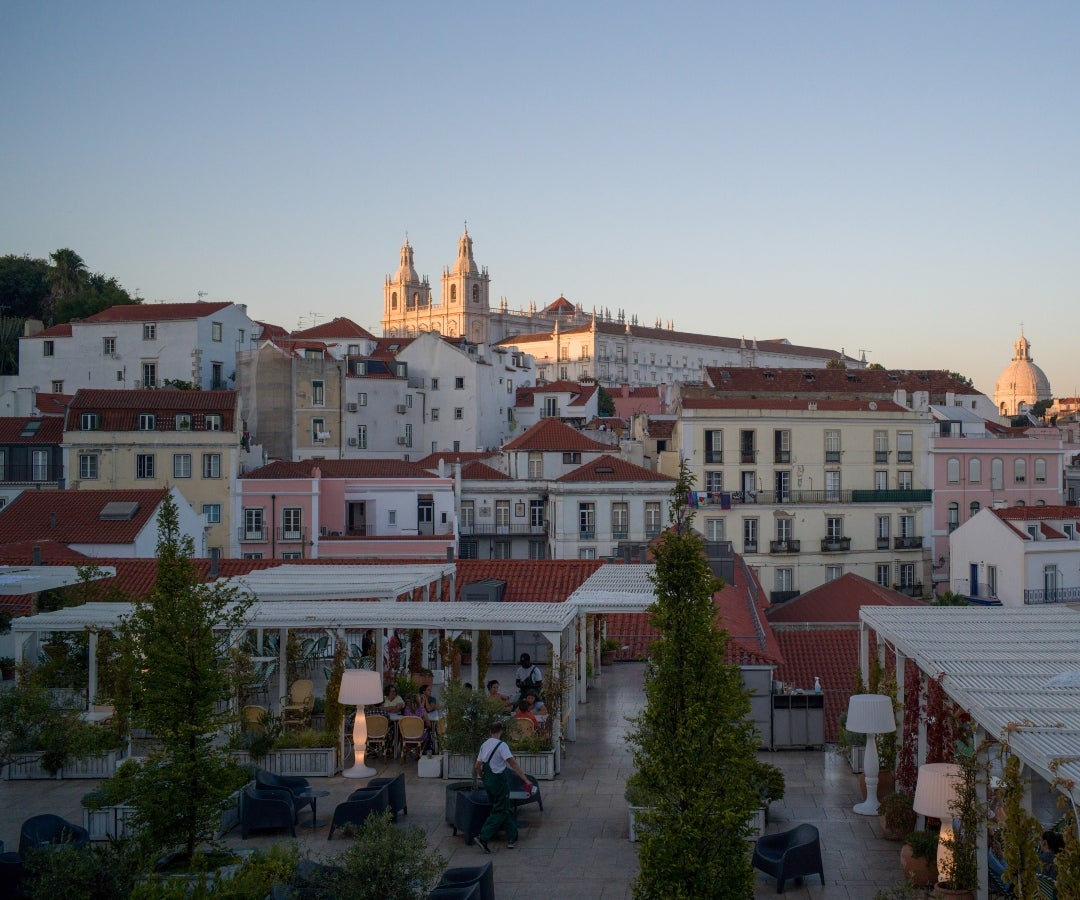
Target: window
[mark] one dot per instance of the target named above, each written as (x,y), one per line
(89,464)
(782,482)
(782,446)
(551,406)
(954,516)
(459,413)
(215,332)
(905,446)
(715,530)
(457,446)
(250,555)
(882,574)
(108,346)
(292,518)
(620,520)
(434,384)
(292,554)
(254,525)
(211,465)
(571,458)
(361,437)
(747,448)
(408,401)
(467,550)
(832,487)
(991,581)
(318,431)
(435,414)
(714,481)
(212,511)
(586,553)
(750,535)
(975,507)
(882,532)
(58,387)
(832,446)
(182,422)
(468,513)
(833,572)
(907,526)
(144,465)
(149,374)
(181,465)
(714,446)
(149,331)
(361,399)
(48,348)
(536,464)
(997,475)
(907,575)
(652,519)
(785,578)
(213,421)
(147,422)
(881,480)
(240,337)
(459,384)
(1019,470)
(952,470)
(537,550)
(39,465)
(785,529)
(500,550)
(1039,466)
(587,520)
(408,435)
(89,422)
(904,479)
(536,514)
(502,513)
(881,448)
(1070,530)
(318,393)
(974,471)
(834,528)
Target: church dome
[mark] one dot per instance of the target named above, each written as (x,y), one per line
(1021,381)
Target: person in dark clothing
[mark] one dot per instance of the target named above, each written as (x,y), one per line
(491,763)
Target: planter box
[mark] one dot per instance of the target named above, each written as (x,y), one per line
(457,765)
(757,825)
(29,767)
(112,822)
(317,762)
(634,810)
(544,765)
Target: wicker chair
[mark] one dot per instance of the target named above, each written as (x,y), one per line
(790,854)
(296,707)
(378,735)
(413,735)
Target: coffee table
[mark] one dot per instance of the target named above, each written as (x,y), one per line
(314,796)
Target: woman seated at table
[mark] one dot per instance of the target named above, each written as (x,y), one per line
(392,703)
(428,702)
(522,712)
(536,705)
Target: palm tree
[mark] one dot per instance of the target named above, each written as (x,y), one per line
(69,274)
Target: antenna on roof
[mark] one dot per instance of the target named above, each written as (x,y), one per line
(201,295)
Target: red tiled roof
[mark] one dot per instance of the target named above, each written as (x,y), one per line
(120,410)
(156,312)
(63,330)
(661,428)
(336,328)
(1027,513)
(611,468)
(560,305)
(526,397)
(838,601)
(341,468)
(1049,532)
(784,403)
(832,654)
(29,516)
(552,434)
(21,553)
(431,461)
(478,471)
(864,382)
(52,404)
(540,580)
(50,430)
(270,331)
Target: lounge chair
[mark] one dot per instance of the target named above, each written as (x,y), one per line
(472,810)
(395,792)
(358,807)
(48,830)
(790,854)
(467,876)
(294,784)
(266,809)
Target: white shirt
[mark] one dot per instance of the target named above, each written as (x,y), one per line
(532,673)
(501,755)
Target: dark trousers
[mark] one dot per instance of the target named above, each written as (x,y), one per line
(502,810)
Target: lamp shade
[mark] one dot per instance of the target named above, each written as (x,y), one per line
(935,790)
(870,714)
(360,687)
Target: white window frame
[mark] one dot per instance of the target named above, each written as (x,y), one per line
(181,465)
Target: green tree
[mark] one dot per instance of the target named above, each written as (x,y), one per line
(68,275)
(24,285)
(963,378)
(176,639)
(693,744)
(836,363)
(10,332)
(605,403)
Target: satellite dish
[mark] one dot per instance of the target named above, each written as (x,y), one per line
(873,405)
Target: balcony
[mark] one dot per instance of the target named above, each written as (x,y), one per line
(219,384)
(714,456)
(17,473)
(587,535)
(252,535)
(748,456)
(912,590)
(620,534)
(287,535)
(835,545)
(490,530)
(1052,595)
(832,456)
(907,496)
(749,547)
(883,543)
(904,456)
(784,547)
(908,543)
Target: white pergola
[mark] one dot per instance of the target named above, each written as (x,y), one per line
(19,580)
(1016,671)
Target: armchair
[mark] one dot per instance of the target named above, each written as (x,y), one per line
(395,791)
(47,830)
(790,854)
(297,706)
(472,809)
(467,876)
(294,784)
(266,809)
(517,791)
(359,805)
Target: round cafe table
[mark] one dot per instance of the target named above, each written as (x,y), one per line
(314,796)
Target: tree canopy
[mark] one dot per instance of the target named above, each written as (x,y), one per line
(57,289)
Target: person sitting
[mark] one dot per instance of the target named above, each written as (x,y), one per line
(522,712)
(493,691)
(427,702)
(536,705)
(527,677)
(392,702)
(1050,846)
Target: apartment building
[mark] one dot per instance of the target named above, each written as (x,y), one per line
(30,454)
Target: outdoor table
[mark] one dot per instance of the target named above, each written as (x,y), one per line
(313,796)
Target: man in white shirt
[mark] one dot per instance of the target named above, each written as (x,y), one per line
(491,763)
(527,677)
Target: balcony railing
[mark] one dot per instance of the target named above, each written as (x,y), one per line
(908,543)
(1052,595)
(652,531)
(31,474)
(747,456)
(911,496)
(883,543)
(835,545)
(798,497)
(292,534)
(912,590)
(714,456)
(782,596)
(749,547)
(832,456)
(488,529)
(881,456)
(620,533)
(904,456)
(782,456)
(252,535)
(587,534)
(784,546)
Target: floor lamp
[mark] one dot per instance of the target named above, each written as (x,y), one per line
(870,714)
(935,794)
(360,687)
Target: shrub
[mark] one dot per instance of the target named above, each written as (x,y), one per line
(304,739)
(469,715)
(923,844)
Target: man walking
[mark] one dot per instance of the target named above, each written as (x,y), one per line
(491,763)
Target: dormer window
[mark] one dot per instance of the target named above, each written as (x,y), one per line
(89,422)
(213,421)
(147,422)
(183,421)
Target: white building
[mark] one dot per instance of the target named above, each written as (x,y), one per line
(573,403)
(138,346)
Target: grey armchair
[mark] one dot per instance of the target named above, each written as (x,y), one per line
(294,784)
(473,808)
(266,809)
(483,876)
(48,830)
(790,854)
(359,805)
(395,788)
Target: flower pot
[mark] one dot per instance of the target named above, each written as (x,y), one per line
(941,892)
(886,783)
(895,834)
(918,871)
(607,657)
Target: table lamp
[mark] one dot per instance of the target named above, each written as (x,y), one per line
(935,792)
(870,714)
(360,687)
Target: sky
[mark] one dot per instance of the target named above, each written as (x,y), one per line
(899,179)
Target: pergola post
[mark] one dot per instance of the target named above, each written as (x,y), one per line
(91,666)
(474,664)
(581,660)
(283,664)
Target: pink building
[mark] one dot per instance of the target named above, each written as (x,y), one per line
(345,508)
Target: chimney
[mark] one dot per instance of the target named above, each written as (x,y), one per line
(36,558)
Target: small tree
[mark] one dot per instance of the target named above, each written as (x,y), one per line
(693,744)
(176,641)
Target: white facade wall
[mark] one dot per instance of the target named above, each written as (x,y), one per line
(507,534)
(145,544)
(569,538)
(553,463)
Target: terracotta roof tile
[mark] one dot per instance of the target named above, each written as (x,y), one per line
(14,430)
(1027,513)
(478,471)
(838,601)
(341,468)
(827,404)
(431,461)
(336,328)
(52,404)
(661,428)
(63,330)
(77,515)
(832,654)
(552,434)
(543,580)
(864,382)
(120,410)
(611,468)
(157,312)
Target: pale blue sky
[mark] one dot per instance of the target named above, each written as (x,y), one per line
(899,178)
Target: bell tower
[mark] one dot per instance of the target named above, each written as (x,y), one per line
(406,298)
(465,295)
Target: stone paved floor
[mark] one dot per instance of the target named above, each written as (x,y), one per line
(577,847)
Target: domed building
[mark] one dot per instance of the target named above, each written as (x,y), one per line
(1021,382)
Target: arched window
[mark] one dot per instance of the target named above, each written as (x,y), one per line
(1019,470)
(476,293)
(453,292)
(393,300)
(954,516)
(1040,470)
(974,471)
(953,470)
(1020,503)
(1040,502)
(975,507)
(997,474)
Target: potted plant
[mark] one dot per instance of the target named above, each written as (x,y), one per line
(469,715)
(608,649)
(961,880)
(464,647)
(918,858)
(896,815)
